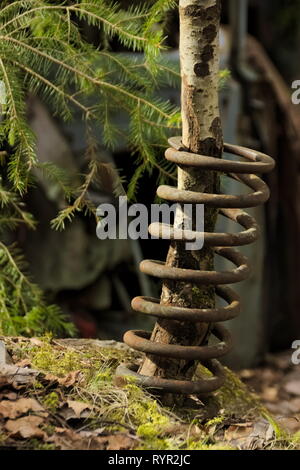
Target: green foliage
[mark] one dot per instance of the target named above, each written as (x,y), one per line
(51,401)
(12,210)
(23,309)
(43,52)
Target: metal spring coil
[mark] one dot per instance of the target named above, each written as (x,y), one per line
(230,206)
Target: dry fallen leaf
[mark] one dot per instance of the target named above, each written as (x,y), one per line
(14,409)
(238,432)
(3,381)
(75,410)
(247,373)
(290,424)
(67,439)
(119,442)
(26,427)
(8,396)
(261,435)
(78,407)
(270,394)
(70,378)
(66,381)
(37,342)
(16,376)
(293,387)
(250,435)
(94,433)
(23,363)
(294,405)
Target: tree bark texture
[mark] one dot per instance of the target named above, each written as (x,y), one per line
(201,133)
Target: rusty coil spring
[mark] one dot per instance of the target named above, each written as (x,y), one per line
(230,206)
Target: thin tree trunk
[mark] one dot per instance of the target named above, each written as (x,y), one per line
(201,133)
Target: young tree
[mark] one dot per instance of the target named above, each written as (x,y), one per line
(201,133)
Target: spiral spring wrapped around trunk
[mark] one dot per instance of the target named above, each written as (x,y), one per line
(230,206)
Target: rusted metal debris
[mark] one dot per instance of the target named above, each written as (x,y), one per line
(223,243)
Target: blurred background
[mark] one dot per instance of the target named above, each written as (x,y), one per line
(93,281)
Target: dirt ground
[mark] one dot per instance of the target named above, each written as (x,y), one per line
(63,394)
(277,383)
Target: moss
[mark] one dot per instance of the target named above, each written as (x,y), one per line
(37,385)
(49,360)
(233,398)
(35,444)
(49,429)
(156,444)
(60,361)
(156,423)
(98,379)
(202,295)
(196,445)
(51,401)
(215,421)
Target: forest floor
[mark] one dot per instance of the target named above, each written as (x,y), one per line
(277,383)
(62,394)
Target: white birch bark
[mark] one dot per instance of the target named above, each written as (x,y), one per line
(201,133)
